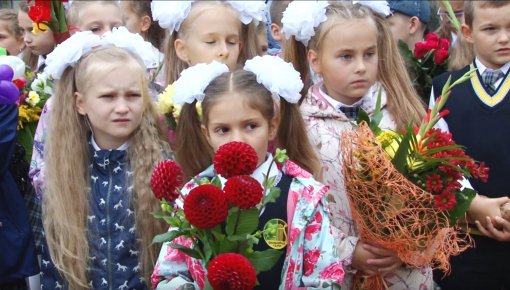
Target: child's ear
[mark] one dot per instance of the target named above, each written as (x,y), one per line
(276,32)
(467,32)
(80,103)
(181,50)
(146,23)
(273,127)
(414,25)
(313,60)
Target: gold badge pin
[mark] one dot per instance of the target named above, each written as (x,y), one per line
(275,234)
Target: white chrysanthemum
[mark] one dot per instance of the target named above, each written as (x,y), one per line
(69,52)
(191,84)
(302,17)
(170,14)
(278,76)
(381,7)
(121,37)
(249,10)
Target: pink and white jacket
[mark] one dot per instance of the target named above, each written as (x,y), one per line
(324,125)
(311,259)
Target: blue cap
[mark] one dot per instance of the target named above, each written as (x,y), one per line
(420,9)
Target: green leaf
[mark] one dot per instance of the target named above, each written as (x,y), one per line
(273,195)
(281,155)
(167,237)
(173,221)
(248,221)
(237,238)
(207,285)
(400,159)
(464,199)
(362,117)
(270,182)
(405,51)
(158,214)
(190,252)
(265,260)
(231,221)
(227,246)
(216,181)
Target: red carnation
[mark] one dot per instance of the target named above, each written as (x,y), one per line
(20,83)
(243,191)
(231,271)
(444,44)
(165,179)
(420,50)
(205,206)
(445,201)
(235,158)
(440,55)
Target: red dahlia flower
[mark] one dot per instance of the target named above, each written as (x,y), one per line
(235,158)
(445,200)
(231,271)
(205,206)
(165,179)
(243,191)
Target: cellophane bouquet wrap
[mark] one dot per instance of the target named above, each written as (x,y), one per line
(404,189)
(218,224)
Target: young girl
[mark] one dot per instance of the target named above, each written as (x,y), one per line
(200,32)
(96,16)
(138,19)
(353,52)
(11,34)
(239,106)
(97,202)
(203,31)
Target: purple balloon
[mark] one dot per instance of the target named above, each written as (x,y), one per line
(6,72)
(9,93)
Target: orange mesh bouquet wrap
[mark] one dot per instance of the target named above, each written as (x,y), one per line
(404,192)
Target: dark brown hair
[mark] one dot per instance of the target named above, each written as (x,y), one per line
(192,150)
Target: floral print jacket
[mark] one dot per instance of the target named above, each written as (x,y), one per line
(324,125)
(311,259)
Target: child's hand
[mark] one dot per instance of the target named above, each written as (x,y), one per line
(371,259)
(496,228)
(483,207)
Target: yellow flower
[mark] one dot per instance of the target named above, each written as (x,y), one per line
(33,98)
(165,100)
(28,115)
(39,27)
(386,137)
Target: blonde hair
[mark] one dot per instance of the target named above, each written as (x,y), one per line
(9,18)
(66,202)
(74,13)
(193,151)
(174,65)
(403,102)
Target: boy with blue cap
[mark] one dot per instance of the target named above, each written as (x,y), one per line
(409,20)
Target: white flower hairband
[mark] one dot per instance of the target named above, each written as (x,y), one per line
(69,52)
(171,14)
(276,75)
(302,17)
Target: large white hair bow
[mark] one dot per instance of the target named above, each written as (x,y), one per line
(277,76)
(194,80)
(381,7)
(171,14)
(302,17)
(69,52)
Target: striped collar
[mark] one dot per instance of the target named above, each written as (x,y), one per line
(502,90)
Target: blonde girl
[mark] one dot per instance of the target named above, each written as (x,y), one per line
(200,32)
(351,49)
(11,34)
(240,106)
(97,204)
(203,31)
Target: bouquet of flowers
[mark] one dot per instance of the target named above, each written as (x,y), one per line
(217,222)
(31,103)
(429,59)
(171,111)
(404,190)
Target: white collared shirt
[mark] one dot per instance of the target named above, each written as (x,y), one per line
(336,104)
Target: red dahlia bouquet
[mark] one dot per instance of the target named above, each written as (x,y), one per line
(220,217)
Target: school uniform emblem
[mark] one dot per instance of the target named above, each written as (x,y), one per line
(275,234)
